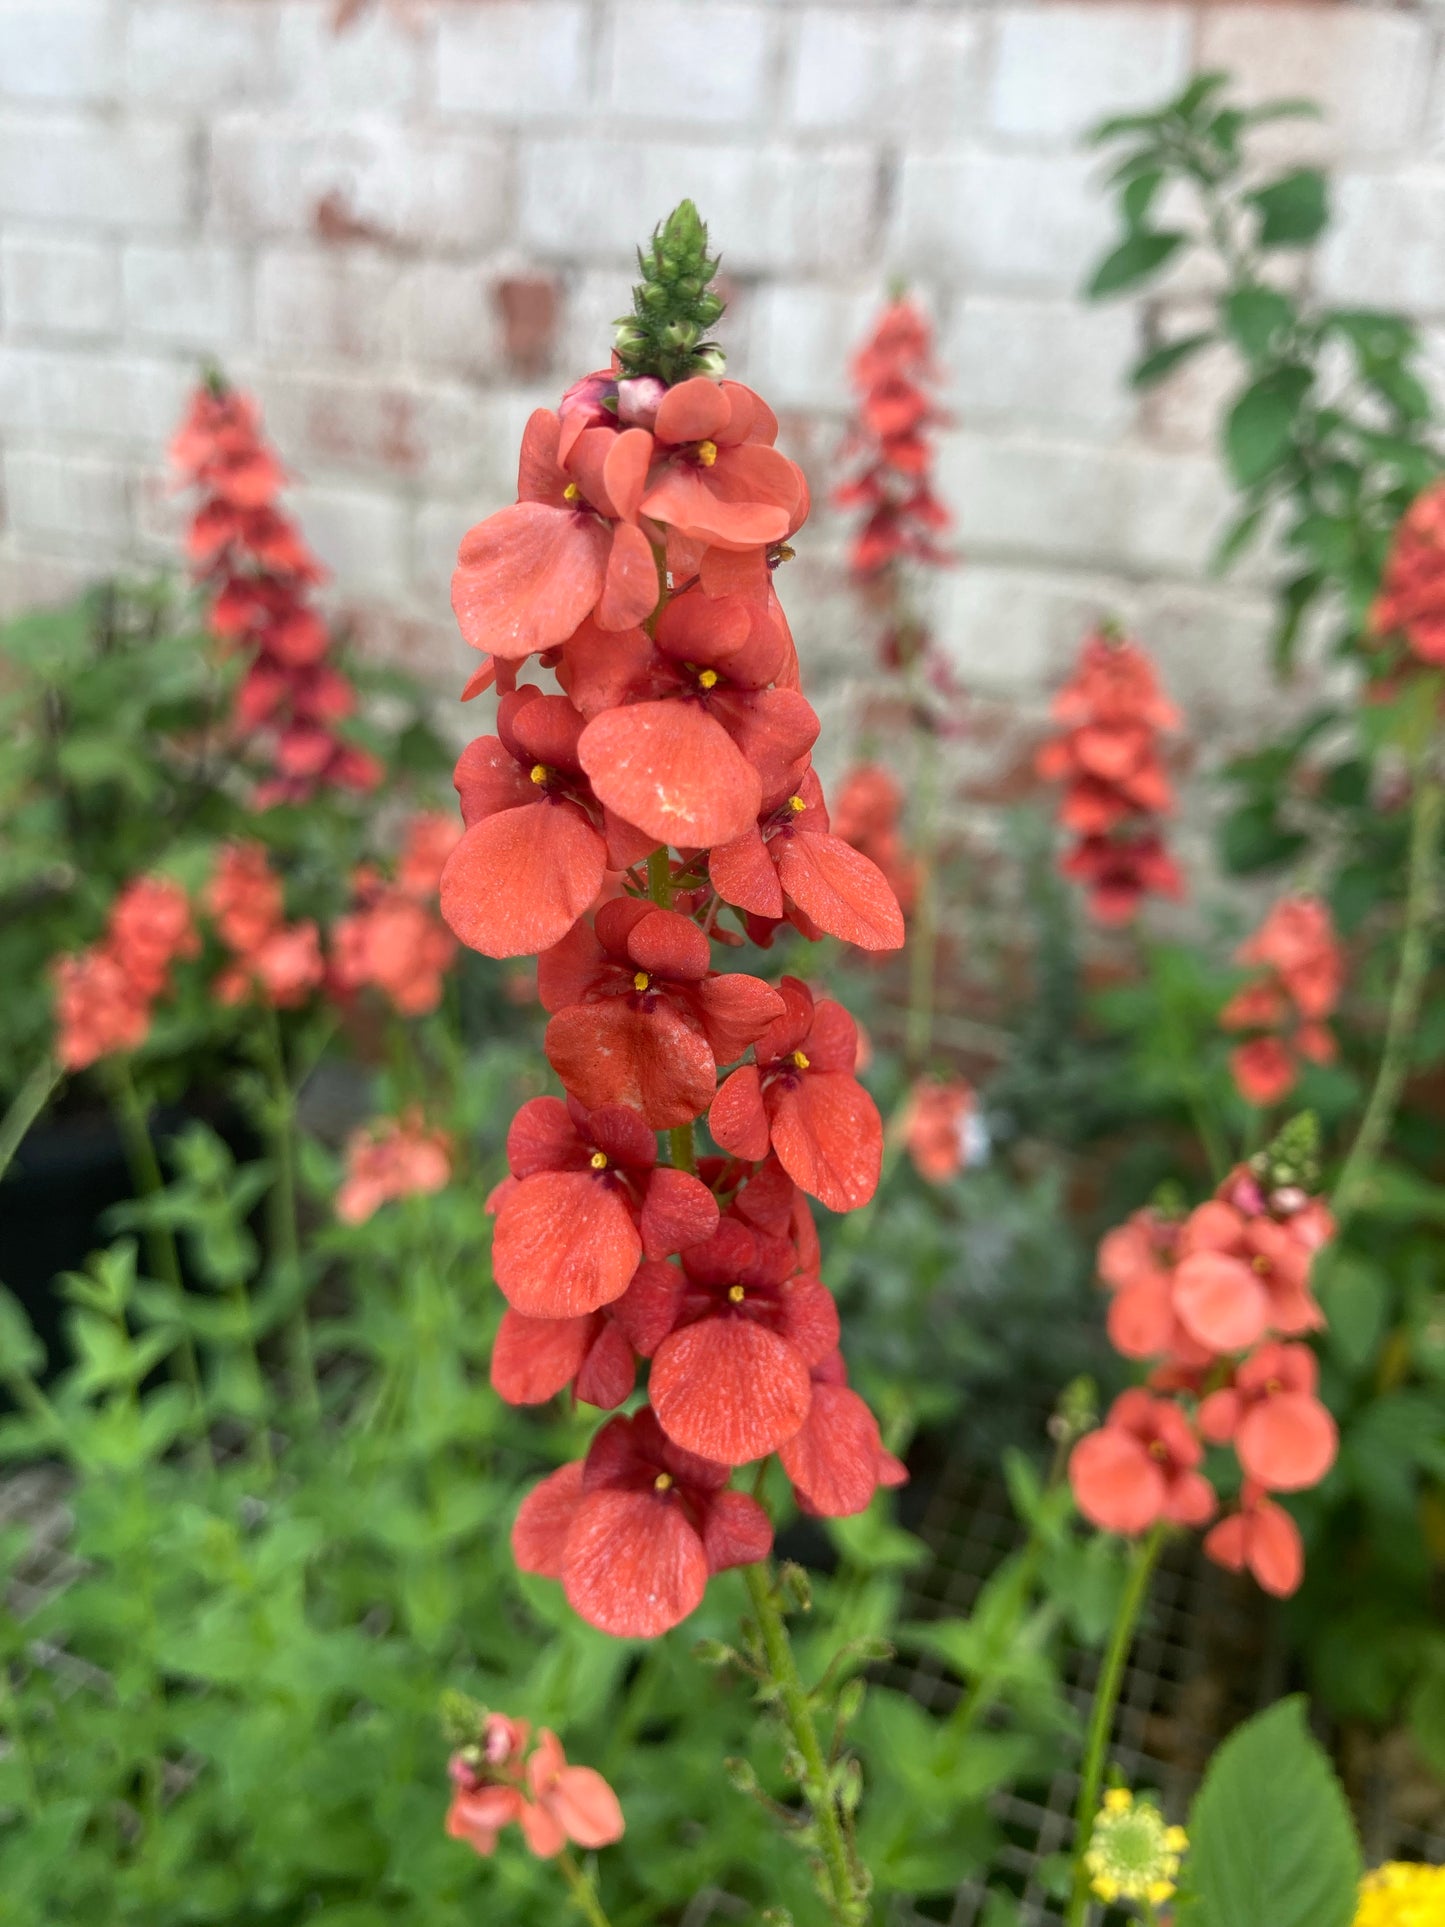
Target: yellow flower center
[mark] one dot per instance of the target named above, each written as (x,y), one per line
(663,1482)
(707,678)
(640,980)
(736,1294)
(796,805)
(539,772)
(1158,1449)
(1259,1263)
(598,1160)
(571,492)
(800,1060)
(707,453)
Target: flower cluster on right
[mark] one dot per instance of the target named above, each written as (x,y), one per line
(1218,1301)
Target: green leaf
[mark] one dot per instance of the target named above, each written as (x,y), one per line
(1236,539)
(1427,1717)
(1293,210)
(1271,1841)
(1165,360)
(1138,196)
(1143,253)
(1256,317)
(1260,426)
(21,1353)
(1355,1295)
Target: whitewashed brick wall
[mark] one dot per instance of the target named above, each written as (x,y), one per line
(406,235)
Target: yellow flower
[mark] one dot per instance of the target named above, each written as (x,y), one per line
(1402,1894)
(1132,1853)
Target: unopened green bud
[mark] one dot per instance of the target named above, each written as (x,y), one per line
(741,1776)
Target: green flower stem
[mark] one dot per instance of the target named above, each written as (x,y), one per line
(160,1241)
(1422,907)
(583,1891)
(659,877)
(1101,1719)
(281,1203)
(847,1894)
(29,1101)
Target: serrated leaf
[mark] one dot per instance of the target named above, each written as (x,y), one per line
(1271,1840)
(1293,210)
(1143,253)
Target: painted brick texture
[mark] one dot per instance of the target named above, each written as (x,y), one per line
(405,236)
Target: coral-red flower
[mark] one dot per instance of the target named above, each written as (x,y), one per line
(1140,1467)
(1260,1538)
(532,858)
(719,483)
(1284,1437)
(551,1801)
(639,1015)
(586,1200)
(1411,602)
(801,1099)
(394,943)
(836,1460)
(150,926)
(688,733)
(635,1531)
(1136,1263)
(892,444)
(935,1127)
(390,1158)
(99,1011)
(1239,1277)
(731,1381)
(789,859)
(1303,974)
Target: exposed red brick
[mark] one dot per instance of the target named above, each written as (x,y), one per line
(530,306)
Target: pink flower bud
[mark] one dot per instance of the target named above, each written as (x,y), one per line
(638,400)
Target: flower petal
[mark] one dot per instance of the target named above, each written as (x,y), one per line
(729,1390)
(1220,1301)
(544,1520)
(677,1210)
(833,1459)
(735,1531)
(617,1052)
(828,1136)
(743,873)
(1118,1486)
(735,1010)
(527,576)
(1287,1442)
(564,1244)
(630,588)
(516,883)
(583,1804)
(674,771)
(633,1565)
(843,891)
(534,1358)
(609,1371)
(737,1118)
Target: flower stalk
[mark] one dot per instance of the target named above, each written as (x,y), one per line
(281,1203)
(1422,909)
(1101,1718)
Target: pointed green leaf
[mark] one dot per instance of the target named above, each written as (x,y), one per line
(1293,210)
(1134,260)
(1271,1840)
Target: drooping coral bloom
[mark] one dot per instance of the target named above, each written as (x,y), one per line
(641,1018)
(99,1010)
(394,943)
(1239,1277)
(553,1803)
(891,445)
(731,1381)
(935,1127)
(282,969)
(390,1158)
(1260,1538)
(586,1200)
(533,855)
(1108,758)
(836,1459)
(801,1098)
(789,860)
(635,1531)
(244,896)
(1139,1467)
(1136,1262)
(1284,1437)
(596,1353)
(689,730)
(1302,968)
(259,576)
(150,926)
(1411,602)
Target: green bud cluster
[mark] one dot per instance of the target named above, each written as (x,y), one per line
(673,305)
(1292,1160)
